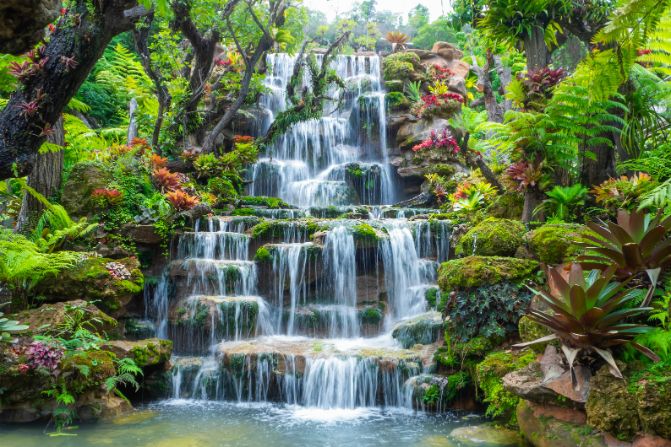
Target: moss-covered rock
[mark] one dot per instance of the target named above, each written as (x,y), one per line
(111,283)
(423,329)
(82,180)
(474,271)
(555,243)
(276,228)
(529,330)
(465,355)
(145,353)
(267,202)
(493,237)
(49,318)
(654,404)
(402,66)
(508,205)
(610,407)
(501,403)
(222,188)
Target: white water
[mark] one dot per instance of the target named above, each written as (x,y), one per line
(304,343)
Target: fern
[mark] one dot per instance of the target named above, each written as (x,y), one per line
(659,198)
(126,373)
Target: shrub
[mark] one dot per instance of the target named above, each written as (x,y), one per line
(181,200)
(623,192)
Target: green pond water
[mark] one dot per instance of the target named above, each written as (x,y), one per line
(209,424)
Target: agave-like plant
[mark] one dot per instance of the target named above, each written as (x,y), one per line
(397,39)
(589,314)
(637,243)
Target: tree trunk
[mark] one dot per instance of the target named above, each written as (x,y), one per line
(60,69)
(45,178)
(132,118)
(535,49)
(533,197)
(602,167)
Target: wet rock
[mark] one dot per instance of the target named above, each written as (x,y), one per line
(485,435)
(111,283)
(92,407)
(23,23)
(423,329)
(84,178)
(411,133)
(143,234)
(651,441)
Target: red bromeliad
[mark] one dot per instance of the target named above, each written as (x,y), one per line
(439,140)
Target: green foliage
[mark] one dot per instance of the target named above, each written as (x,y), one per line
(490,311)
(555,243)
(263,255)
(126,373)
(8,326)
(563,201)
(365,233)
(501,404)
(413,91)
(623,192)
(590,314)
(655,161)
(438,30)
(637,243)
(658,198)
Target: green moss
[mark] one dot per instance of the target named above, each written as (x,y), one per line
(529,330)
(268,202)
(555,243)
(263,255)
(396,101)
(371,315)
(243,212)
(473,271)
(401,67)
(151,352)
(493,237)
(365,233)
(222,188)
(508,205)
(489,375)
(455,354)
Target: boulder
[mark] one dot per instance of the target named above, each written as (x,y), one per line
(402,66)
(143,234)
(474,271)
(550,426)
(23,23)
(50,317)
(610,407)
(111,283)
(411,133)
(488,435)
(654,405)
(83,179)
(555,243)
(422,329)
(145,353)
(447,51)
(493,237)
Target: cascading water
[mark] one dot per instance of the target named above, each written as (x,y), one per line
(312,323)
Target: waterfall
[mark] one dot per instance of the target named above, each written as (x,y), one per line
(311,322)
(300,164)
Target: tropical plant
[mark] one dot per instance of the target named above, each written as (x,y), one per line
(397,39)
(413,91)
(126,372)
(623,192)
(166,180)
(637,243)
(589,314)
(439,140)
(525,174)
(563,200)
(181,200)
(8,326)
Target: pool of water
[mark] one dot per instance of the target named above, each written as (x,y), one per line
(179,423)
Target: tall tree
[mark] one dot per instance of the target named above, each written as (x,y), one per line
(54,73)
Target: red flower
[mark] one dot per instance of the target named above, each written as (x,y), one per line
(442,140)
(642,51)
(23,368)
(51,27)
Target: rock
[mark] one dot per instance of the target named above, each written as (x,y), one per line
(84,178)
(447,51)
(508,205)
(411,133)
(485,435)
(555,243)
(145,353)
(493,237)
(111,283)
(457,85)
(610,407)
(47,318)
(529,330)
(143,234)
(547,426)
(654,405)
(527,384)
(474,271)
(403,66)
(23,22)
(422,329)
(93,407)
(646,440)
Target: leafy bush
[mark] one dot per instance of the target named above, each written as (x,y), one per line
(489,311)
(623,192)
(563,201)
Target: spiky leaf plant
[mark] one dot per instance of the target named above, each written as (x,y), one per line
(637,243)
(590,314)
(397,39)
